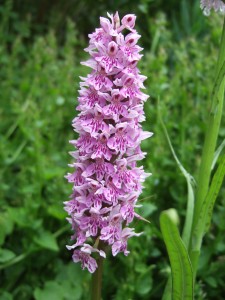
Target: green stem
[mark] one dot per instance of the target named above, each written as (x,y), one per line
(97,281)
(96,284)
(211,135)
(15,260)
(208,154)
(61,231)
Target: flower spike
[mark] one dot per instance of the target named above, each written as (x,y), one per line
(106,180)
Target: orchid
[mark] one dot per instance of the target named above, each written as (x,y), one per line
(105,173)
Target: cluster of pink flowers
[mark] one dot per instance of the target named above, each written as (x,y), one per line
(217,5)
(106,180)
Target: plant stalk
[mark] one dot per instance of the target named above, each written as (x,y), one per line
(96,283)
(211,135)
(207,155)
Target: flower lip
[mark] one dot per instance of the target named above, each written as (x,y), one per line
(112,48)
(129,21)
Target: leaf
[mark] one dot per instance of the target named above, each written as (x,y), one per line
(6,225)
(218,81)
(52,290)
(6,296)
(71,289)
(190,183)
(205,217)
(71,278)
(147,209)
(144,283)
(57,212)
(6,255)
(19,216)
(58,291)
(47,240)
(182,275)
(217,153)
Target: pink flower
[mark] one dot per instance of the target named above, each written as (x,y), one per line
(121,244)
(106,180)
(84,256)
(128,21)
(216,5)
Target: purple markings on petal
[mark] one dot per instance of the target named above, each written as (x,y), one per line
(129,21)
(105,177)
(86,260)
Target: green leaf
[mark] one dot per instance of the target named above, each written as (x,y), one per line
(144,282)
(71,278)
(19,216)
(205,217)
(190,184)
(6,296)
(6,255)
(147,209)
(52,290)
(182,275)
(6,225)
(217,153)
(47,240)
(57,212)
(217,84)
(71,289)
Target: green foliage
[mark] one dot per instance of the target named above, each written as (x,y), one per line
(190,191)
(181,268)
(205,216)
(39,78)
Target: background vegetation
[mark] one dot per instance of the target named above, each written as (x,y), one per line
(41,46)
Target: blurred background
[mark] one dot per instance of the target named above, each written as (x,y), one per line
(41,46)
